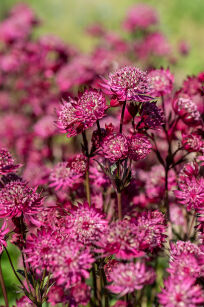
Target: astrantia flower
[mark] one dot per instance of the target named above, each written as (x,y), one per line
(183,248)
(189,171)
(115,147)
(24,302)
(7,164)
(45,127)
(3,232)
(139,147)
(140,16)
(130,277)
(191,193)
(75,116)
(120,240)
(68,174)
(80,294)
(151,229)
(162,82)
(185,265)
(152,117)
(108,268)
(39,248)
(179,293)
(128,83)
(85,224)
(71,262)
(193,142)
(187,110)
(17,198)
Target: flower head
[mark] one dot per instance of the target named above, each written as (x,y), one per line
(7,164)
(191,193)
(128,83)
(162,82)
(152,117)
(185,265)
(68,174)
(120,239)
(130,277)
(75,116)
(85,224)
(193,142)
(183,248)
(139,147)
(115,147)
(17,198)
(178,293)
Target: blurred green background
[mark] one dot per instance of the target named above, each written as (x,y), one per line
(179,20)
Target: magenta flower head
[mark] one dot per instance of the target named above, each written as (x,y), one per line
(85,224)
(68,174)
(75,116)
(151,229)
(187,110)
(183,248)
(3,233)
(193,142)
(71,262)
(139,147)
(24,301)
(140,16)
(115,147)
(185,265)
(130,277)
(181,293)
(152,117)
(17,198)
(120,240)
(128,83)
(7,164)
(191,193)
(162,82)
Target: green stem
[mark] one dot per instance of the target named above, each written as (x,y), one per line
(3,287)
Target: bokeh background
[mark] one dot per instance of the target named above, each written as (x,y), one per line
(67,19)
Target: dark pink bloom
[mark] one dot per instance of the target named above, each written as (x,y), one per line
(130,277)
(140,16)
(193,142)
(45,127)
(108,268)
(162,82)
(80,294)
(185,266)
(181,293)
(139,147)
(68,174)
(187,110)
(7,164)
(151,230)
(3,233)
(17,198)
(24,301)
(85,224)
(152,117)
(128,83)
(183,248)
(120,239)
(75,116)
(115,147)
(191,193)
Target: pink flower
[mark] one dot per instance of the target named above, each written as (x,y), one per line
(183,248)
(24,301)
(140,16)
(108,268)
(71,262)
(68,174)
(193,142)
(75,116)
(7,164)
(162,82)
(128,83)
(80,294)
(17,198)
(184,266)
(85,224)
(44,127)
(181,293)
(3,233)
(191,193)
(130,277)
(152,117)
(115,147)
(139,147)
(151,229)
(120,239)
(187,110)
